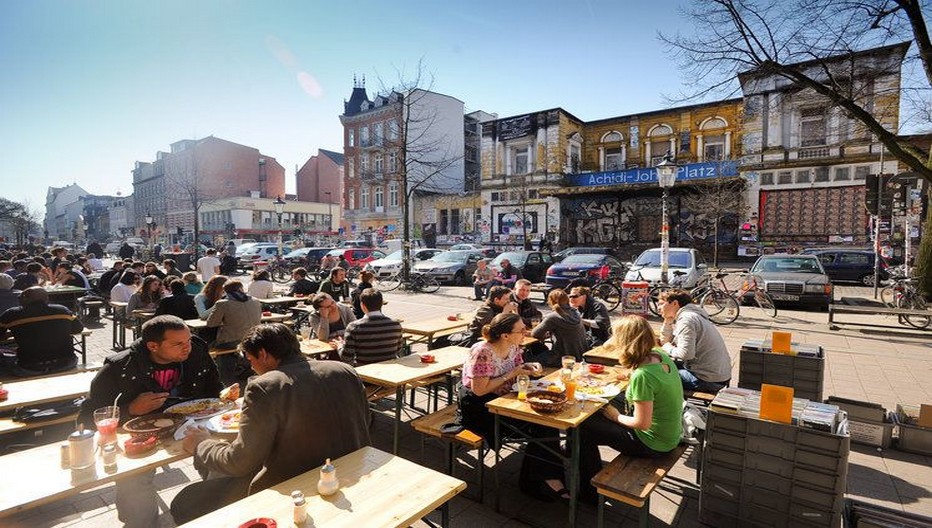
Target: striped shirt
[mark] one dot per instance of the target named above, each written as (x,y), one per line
(371,339)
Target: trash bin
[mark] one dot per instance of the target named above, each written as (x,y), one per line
(182,260)
(634,297)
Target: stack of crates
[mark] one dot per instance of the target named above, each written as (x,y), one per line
(804,370)
(761,473)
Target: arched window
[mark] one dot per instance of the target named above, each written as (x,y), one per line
(377,163)
(393,194)
(712,142)
(364,197)
(660,142)
(379,196)
(612,151)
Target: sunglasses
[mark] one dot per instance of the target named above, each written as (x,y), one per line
(575,295)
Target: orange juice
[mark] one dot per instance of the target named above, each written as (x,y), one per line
(522,394)
(570,389)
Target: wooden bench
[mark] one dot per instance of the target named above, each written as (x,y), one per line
(834,309)
(631,480)
(430,424)
(701,398)
(542,288)
(7,425)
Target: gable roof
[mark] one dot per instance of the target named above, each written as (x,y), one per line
(337,157)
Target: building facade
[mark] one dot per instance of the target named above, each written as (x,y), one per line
(321,180)
(196,172)
(63,211)
(806,160)
(255,217)
(121,216)
(396,145)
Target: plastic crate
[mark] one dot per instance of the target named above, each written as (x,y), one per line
(863,515)
(859,410)
(804,373)
(912,438)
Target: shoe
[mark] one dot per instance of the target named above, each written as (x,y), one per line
(547,494)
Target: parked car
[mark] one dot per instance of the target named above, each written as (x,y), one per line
(346,244)
(357,257)
(590,266)
(384,267)
(486,251)
(647,267)
(557,257)
(242,248)
(532,264)
(451,266)
(261,252)
(237,242)
(794,278)
(851,265)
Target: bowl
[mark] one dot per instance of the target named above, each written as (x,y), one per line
(161,425)
(266,314)
(139,446)
(596,368)
(452,318)
(427,358)
(546,401)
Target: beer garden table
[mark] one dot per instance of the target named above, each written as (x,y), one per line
(46,389)
(376,489)
(66,295)
(427,330)
(197,324)
(397,373)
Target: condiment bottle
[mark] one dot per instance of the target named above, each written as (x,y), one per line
(81,444)
(299,511)
(109,456)
(4,394)
(328,483)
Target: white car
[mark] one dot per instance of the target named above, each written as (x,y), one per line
(686,260)
(384,267)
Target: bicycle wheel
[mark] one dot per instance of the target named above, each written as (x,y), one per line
(389,283)
(764,301)
(888,296)
(425,283)
(722,308)
(654,294)
(352,272)
(914,301)
(281,275)
(609,294)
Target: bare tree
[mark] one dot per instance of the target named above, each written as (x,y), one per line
(426,157)
(186,192)
(795,40)
(19,218)
(716,199)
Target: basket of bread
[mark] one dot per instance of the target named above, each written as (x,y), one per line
(546,401)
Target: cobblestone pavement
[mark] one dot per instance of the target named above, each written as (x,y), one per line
(885,366)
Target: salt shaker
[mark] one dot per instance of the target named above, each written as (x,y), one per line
(109,456)
(328,483)
(299,512)
(81,448)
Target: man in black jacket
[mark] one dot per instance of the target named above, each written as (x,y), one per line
(594,315)
(522,298)
(103,284)
(165,362)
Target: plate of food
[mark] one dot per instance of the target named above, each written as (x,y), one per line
(226,423)
(200,409)
(536,385)
(597,387)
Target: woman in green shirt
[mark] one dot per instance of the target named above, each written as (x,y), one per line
(655,393)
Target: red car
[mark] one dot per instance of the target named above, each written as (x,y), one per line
(357,257)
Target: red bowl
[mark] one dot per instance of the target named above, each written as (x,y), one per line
(428,358)
(266,314)
(261,522)
(596,368)
(452,318)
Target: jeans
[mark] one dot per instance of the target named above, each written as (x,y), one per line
(695,384)
(204,497)
(137,500)
(480,290)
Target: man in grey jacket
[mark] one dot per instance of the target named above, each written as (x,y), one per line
(693,341)
(296,414)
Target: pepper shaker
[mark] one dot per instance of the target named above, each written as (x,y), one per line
(328,483)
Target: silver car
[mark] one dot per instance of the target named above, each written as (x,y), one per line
(452,266)
(794,278)
(391,263)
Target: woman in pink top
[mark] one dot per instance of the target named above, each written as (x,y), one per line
(489,372)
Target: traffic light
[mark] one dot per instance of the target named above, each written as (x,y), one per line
(871,200)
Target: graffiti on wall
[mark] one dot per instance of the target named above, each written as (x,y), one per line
(609,221)
(699,228)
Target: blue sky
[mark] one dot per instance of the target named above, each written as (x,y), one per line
(91,87)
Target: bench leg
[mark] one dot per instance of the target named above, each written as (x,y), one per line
(481,469)
(600,517)
(498,458)
(645,514)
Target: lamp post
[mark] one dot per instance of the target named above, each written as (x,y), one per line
(149,223)
(329,212)
(666,177)
(84,227)
(279,209)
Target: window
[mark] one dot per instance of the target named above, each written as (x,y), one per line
(521,159)
(393,162)
(496,196)
(532,194)
(811,127)
(351,168)
(377,133)
(442,224)
(454,221)
(713,149)
(860,173)
(364,197)
(377,164)
(379,196)
(351,199)
(766,178)
(364,136)
(842,174)
(573,159)
(393,130)
(784,177)
(393,194)
(351,137)
(860,259)
(803,176)
(613,159)
(363,164)
(612,137)
(821,174)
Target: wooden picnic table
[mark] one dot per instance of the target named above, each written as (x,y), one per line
(197,324)
(567,420)
(397,373)
(35,477)
(46,389)
(376,489)
(316,347)
(282,300)
(602,356)
(66,295)
(429,329)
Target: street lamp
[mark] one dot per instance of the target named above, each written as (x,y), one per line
(279,209)
(150,222)
(666,177)
(329,212)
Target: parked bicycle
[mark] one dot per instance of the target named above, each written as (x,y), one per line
(724,305)
(609,290)
(903,293)
(417,282)
(279,269)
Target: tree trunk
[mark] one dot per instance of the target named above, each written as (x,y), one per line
(715,243)
(923,268)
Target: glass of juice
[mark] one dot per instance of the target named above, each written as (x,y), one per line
(107,419)
(569,382)
(523,383)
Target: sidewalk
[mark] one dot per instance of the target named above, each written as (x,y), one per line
(877,365)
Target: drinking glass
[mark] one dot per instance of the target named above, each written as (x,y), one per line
(523,384)
(107,419)
(568,362)
(305,332)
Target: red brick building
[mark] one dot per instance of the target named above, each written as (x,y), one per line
(321,178)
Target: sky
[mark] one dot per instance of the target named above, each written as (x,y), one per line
(90,87)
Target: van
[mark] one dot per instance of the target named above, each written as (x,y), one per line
(394,244)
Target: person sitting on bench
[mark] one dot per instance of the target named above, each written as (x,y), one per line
(693,341)
(43,335)
(655,393)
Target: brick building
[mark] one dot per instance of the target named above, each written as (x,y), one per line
(321,180)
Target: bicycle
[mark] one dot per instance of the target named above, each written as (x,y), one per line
(417,282)
(724,305)
(279,270)
(904,294)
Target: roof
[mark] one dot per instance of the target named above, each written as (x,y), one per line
(762,70)
(337,157)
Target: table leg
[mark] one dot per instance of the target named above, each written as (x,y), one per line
(399,401)
(573,437)
(498,449)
